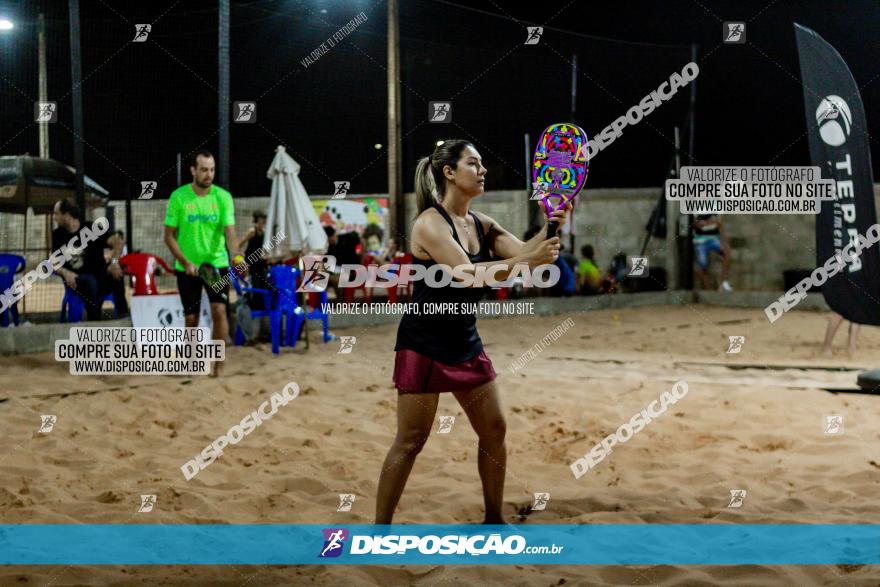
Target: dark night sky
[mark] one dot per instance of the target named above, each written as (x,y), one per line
(144,102)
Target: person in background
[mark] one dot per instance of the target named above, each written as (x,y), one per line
(334,251)
(88,274)
(114,277)
(254,254)
(567,285)
(833,324)
(200,230)
(373,234)
(588,275)
(709,238)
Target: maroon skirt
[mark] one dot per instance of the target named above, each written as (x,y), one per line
(416,373)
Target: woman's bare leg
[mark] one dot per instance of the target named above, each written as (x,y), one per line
(483,409)
(415,417)
(853,336)
(833,324)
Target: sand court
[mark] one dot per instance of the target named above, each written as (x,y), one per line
(750,421)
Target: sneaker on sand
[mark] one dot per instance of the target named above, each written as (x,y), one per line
(725,287)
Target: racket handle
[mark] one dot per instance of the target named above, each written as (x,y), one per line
(552,228)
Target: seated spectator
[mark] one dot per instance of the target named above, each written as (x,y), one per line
(258,268)
(373,234)
(87,272)
(588,275)
(567,285)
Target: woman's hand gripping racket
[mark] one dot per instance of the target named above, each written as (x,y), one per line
(560,168)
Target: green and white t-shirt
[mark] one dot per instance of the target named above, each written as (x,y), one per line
(200,222)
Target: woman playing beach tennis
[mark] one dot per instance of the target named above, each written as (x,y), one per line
(438,353)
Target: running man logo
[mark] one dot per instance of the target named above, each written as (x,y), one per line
(45,112)
(446,424)
(533,34)
(737,497)
(148,188)
(346,344)
(147,503)
(245,112)
(833,424)
(736,344)
(346,500)
(47,422)
(340,189)
(315,273)
(541,500)
(440,112)
(734,33)
(834,119)
(638,267)
(141,32)
(334,542)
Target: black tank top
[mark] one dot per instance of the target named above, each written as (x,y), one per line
(254,244)
(447,338)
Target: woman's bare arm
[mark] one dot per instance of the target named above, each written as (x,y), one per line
(431,233)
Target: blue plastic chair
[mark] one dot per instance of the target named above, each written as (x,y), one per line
(242,287)
(73,307)
(9,266)
(284,279)
(318,313)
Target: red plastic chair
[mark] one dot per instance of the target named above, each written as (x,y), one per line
(142,267)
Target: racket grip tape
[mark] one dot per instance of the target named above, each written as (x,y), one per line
(552,229)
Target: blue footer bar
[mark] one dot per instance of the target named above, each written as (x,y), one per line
(297,544)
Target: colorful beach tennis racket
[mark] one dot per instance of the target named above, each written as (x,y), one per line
(210,275)
(560,168)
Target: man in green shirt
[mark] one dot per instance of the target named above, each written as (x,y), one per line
(199,230)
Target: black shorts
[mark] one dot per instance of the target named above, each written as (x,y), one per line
(190,289)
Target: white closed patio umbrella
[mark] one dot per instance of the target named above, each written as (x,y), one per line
(291,211)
